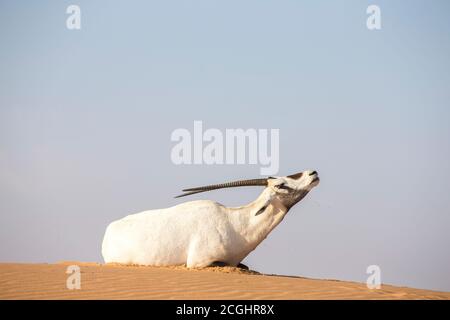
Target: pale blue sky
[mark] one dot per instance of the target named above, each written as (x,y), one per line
(86,118)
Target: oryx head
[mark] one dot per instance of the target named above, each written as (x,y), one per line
(289,190)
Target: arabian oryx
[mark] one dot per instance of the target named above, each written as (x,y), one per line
(205,233)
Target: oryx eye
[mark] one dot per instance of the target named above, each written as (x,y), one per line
(283,186)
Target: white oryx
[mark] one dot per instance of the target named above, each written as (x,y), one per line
(205,233)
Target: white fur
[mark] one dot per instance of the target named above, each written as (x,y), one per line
(198,233)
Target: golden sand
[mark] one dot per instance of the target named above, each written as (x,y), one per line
(48,281)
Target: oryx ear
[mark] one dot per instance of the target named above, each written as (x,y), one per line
(264,205)
(261,210)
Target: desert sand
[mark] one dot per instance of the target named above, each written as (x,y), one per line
(48,281)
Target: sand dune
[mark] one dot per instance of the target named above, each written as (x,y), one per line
(48,281)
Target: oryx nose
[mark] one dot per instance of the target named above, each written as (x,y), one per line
(313,173)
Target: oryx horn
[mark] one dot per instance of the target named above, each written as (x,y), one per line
(239,183)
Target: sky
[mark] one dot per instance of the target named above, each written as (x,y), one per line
(86,118)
